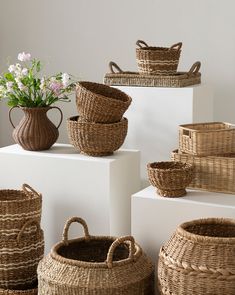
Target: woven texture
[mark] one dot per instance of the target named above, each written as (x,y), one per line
(96,139)
(199,259)
(17,207)
(170,178)
(212,173)
(95,266)
(100,103)
(19,257)
(207,139)
(180,79)
(157,60)
(35,131)
(32,290)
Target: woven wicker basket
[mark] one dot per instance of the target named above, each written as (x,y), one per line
(157,60)
(125,78)
(95,265)
(199,259)
(214,173)
(170,178)
(207,139)
(32,290)
(18,206)
(100,103)
(19,258)
(96,139)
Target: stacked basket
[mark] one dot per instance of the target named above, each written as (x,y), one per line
(100,129)
(211,148)
(21,242)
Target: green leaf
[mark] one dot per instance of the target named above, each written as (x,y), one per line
(9,77)
(38,66)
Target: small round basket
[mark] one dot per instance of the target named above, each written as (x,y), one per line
(32,290)
(95,139)
(170,178)
(99,265)
(100,103)
(157,60)
(199,259)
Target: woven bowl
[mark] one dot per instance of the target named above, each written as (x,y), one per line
(170,178)
(100,103)
(95,139)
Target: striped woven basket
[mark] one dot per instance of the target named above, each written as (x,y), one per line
(95,139)
(199,259)
(95,265)
(157,60)
(32,290)
(17,207)
(20,256)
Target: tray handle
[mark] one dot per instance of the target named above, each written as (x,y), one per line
(176,46)
(140,44)
(113,65)
(194,68)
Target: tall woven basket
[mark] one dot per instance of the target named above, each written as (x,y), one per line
(157,60)
(17,207)
(95,265)
(199,259)
(32,290)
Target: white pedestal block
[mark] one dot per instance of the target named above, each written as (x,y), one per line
(97,189)
(154,218)
(156,113)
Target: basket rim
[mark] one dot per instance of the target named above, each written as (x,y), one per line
(185,166)
(158,49)
(187,127)
(73,119)
(181,230)
(54,254)
(23,199)
(225,156)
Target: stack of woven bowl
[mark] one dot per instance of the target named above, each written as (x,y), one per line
(21,242)
(100,129)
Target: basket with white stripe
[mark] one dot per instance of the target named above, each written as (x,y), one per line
(157,60)
(17,207)
(19,257)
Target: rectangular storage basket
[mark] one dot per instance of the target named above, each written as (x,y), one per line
(206,139)
(213,173)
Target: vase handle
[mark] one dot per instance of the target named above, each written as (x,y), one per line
(9,116)
(61,116)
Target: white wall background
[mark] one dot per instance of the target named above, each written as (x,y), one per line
(82,36)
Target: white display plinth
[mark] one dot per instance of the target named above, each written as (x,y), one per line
(156,113)
(154,218)
(97,189)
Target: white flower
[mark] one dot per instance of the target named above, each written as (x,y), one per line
(24,72)
(42,83)
(2,91)
(12,68)
(9,86)
(21,86)
(52,79)
(24,56)
(65,80)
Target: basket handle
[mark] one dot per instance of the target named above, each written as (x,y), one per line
(194,68)
(67,226)
(114,65)
(115,244)
(61,115)
(28,189)
(27,223)
(176,46)
(140,43)
(9,116)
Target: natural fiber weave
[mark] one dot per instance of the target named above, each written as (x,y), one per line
(32,290)
(157,60)
(17,207)
(170,178)
(212,173)
(100,103)
(19,257)
(95,265)
(199,259)
(96,139)
(207,139)
(180,79)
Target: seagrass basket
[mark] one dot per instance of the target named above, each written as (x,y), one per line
(17,207)
(100,103)
(19,257)
(199,259)
(95,265)
(32,290)
(96,139)
(170,178)
(207,139)
(157,60)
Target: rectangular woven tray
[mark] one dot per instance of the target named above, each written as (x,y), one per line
(213,173)
(181,79)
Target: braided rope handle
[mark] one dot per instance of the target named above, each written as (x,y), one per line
(194,68)
(118,242)
(114,65)
(9,115)
(140,44)
(176,46)
(61,115)
(27,223)
(68,224)
(28,190)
